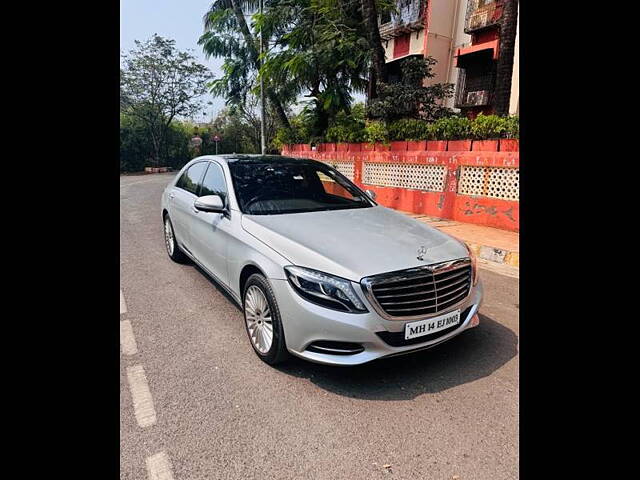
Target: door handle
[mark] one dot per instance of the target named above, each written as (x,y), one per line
(171,195)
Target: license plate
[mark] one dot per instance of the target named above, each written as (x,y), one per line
(431,325)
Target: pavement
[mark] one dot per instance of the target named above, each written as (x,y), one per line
(490,244)
(196,403)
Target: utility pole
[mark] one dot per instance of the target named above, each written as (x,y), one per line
(263,146)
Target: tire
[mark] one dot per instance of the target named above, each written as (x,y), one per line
(173,250)
(254,313)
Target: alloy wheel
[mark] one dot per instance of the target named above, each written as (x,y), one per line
(168,236)
(258,316)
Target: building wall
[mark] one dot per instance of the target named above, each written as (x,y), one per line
(460,39)
(445,22)
(441,28)
(473,185)
(514,102)
(416,46)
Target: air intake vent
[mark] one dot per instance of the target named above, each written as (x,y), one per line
(335,348)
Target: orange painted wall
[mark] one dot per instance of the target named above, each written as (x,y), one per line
(480,210)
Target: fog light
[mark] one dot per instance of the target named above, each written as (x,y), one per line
(475,321)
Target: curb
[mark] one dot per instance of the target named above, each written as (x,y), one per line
(485,252)
(496,255)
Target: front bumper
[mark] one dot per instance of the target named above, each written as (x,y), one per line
(305,323)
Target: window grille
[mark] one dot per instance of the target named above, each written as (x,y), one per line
(494,182)
(476,80)
(345,168)
(412,176)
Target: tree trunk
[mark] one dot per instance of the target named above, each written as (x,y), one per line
(378,65)
(277,106)
(254,53)
(504,68)
(156,148)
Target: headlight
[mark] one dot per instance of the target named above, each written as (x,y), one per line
(474,264)
(324,289)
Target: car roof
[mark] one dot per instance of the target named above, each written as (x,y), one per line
(235,158)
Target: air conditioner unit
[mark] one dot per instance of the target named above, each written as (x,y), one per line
(479,97)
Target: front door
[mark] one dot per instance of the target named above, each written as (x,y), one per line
(209,232)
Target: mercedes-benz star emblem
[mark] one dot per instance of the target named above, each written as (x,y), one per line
(422,251)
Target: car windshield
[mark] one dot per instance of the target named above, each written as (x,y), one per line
(277,188)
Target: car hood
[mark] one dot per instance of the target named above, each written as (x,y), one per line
(353,243)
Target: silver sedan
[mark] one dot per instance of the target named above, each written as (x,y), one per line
(320,270)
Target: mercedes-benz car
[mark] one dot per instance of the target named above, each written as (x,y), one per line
(320,270)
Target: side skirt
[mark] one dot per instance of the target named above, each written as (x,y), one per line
(213,277)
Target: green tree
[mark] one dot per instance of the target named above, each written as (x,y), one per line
(319,50)
(136,147)
(378,72)
(409,98)
(227,35)
(159,83)
(238,126)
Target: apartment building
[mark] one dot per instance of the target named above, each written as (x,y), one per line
(463,36)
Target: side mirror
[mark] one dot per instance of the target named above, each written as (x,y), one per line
(371,194)
(209,203)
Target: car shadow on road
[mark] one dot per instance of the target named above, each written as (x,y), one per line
(215,284)
(472,355)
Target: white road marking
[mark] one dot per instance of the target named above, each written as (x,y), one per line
(123,304)
(159,467)
(127,339)
(142,401)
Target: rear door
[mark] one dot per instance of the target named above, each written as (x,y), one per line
(209,231)
(181,200)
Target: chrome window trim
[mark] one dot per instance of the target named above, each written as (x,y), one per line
(368,282)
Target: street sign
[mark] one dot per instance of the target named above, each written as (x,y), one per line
(216,139)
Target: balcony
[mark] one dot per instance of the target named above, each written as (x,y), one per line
(476,83)
(482,14)
(408,18)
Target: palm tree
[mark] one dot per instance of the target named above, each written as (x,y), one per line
(378,65)
(221,22)
(504,68)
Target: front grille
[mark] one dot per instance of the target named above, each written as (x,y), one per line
(421,291)
(396,339)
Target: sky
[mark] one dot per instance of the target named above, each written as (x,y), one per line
(175,19)
(180,21)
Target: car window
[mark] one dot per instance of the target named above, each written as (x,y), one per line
(277,188)
(190,180)
(213,182)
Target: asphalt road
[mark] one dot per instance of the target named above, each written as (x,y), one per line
(221,413)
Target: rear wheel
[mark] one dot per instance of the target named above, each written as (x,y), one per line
(262,320)
(173,250)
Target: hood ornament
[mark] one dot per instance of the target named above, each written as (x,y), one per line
(422,251)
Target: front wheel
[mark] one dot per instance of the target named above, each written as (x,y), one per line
(173,250)
(262,320)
